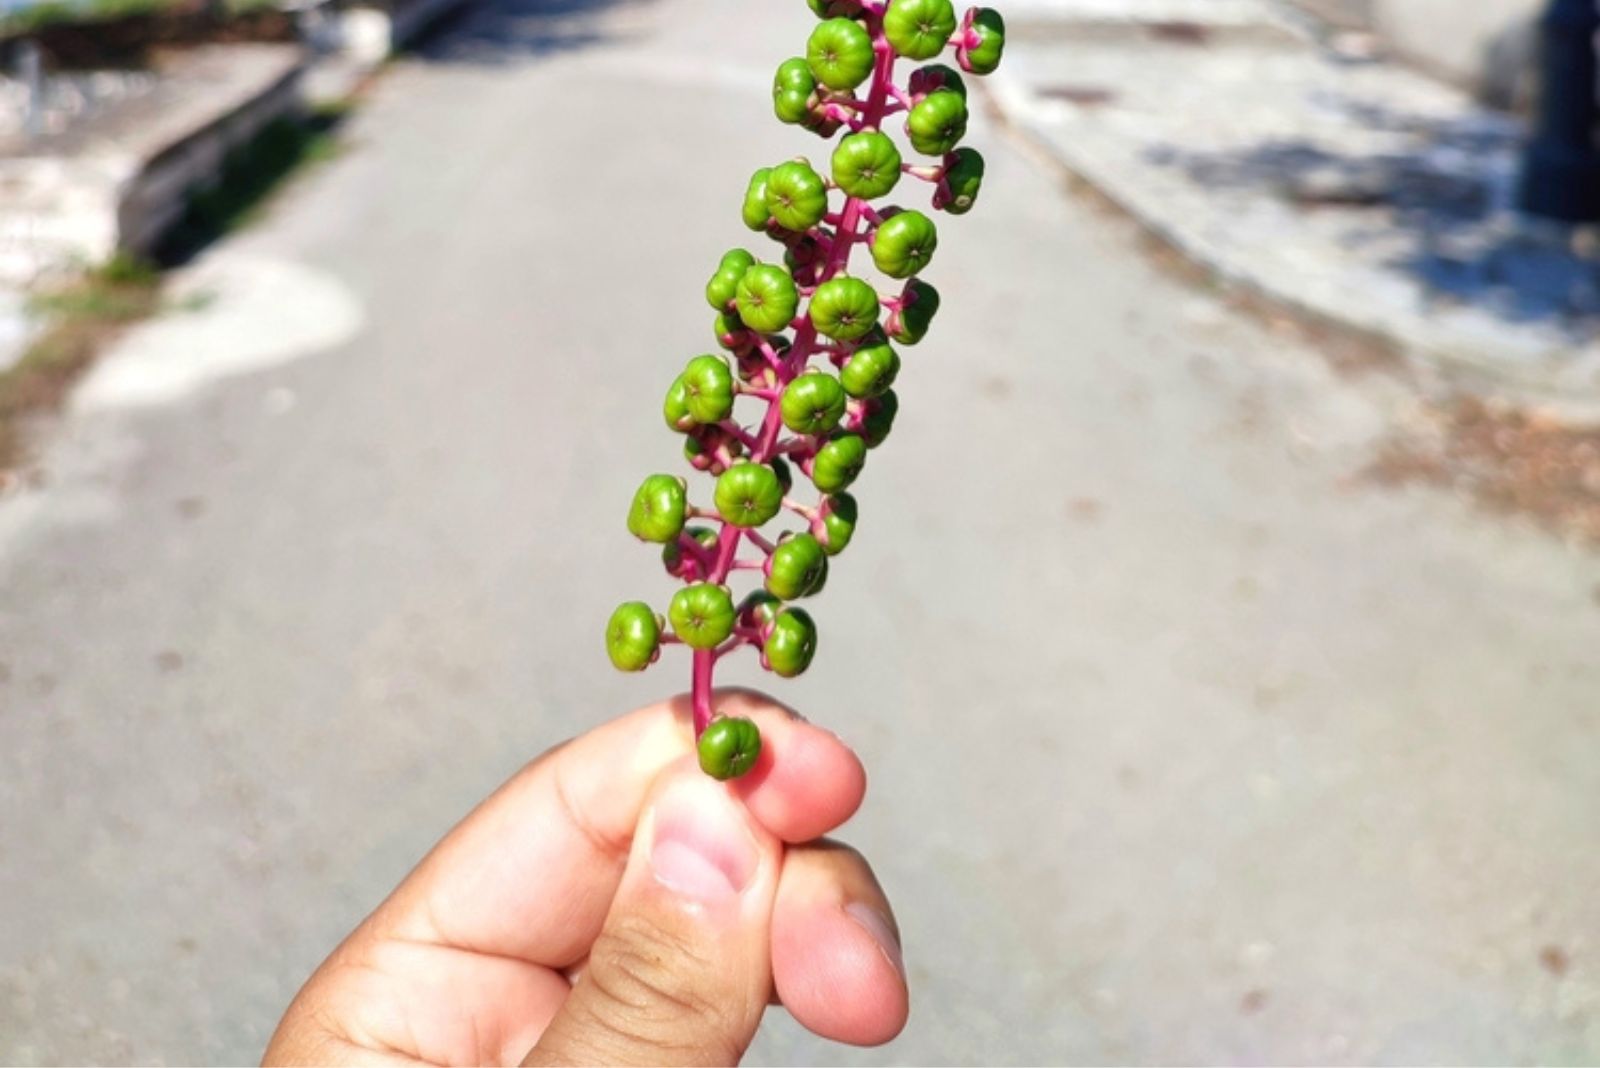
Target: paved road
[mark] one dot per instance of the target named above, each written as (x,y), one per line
(1187,743)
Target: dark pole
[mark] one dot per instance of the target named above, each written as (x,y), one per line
(1561,169)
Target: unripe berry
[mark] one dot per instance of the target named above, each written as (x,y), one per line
(844,308)
(919,29)
(680,564)
(879,418)
(658,508)
(708,389)
(937,123)
(933,77)
(904,243)
(797,567)
(918,303)
(755,213)
(725,282)
(963,177)
(835,524)
(728,748)
(633,636)
(795,195)
(813,403)
(989,29)
(791,644)
(748,494)
(767,298)
(866,165)
(838,462)
(871,368)
(840,54)
(702,615)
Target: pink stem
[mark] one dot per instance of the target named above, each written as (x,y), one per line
(805,345)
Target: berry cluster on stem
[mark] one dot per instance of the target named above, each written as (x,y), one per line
(784,325)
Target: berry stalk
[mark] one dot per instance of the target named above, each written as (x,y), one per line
(834,419)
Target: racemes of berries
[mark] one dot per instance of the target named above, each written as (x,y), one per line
(808,347)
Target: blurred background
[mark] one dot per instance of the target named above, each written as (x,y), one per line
(1220,634)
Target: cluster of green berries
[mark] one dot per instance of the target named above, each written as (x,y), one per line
(773,319)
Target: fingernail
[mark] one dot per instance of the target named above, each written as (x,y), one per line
(702,848)
(875,925)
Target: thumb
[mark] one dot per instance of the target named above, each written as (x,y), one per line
(681,971)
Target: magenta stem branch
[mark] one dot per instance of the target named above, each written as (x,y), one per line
(764,445)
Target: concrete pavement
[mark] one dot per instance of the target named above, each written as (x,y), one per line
(1187,742)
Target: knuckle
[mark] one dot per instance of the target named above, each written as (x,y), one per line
(655,986)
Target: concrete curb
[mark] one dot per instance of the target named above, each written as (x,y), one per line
(1450,348)
(64,212)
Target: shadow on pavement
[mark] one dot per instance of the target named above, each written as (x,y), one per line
(492,32)
(1443,196)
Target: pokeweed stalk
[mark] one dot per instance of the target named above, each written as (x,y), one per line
(833,417)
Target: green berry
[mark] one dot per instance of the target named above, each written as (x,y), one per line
(990,28)
(702,615)
(919,29)
(658,508)
(904,243)
(672,554)
(633,636)
(937,123)
(812,403)
(871,369)
(730,331)
(794,75)
(797,567)
(748,494)
(755,212)
(796,196)
(840,54)
(780,467)
(758,609)
(879,419)
(963,177)
(827,9)
(844,308)
(675,409)
(909,324)
(728,747)
(838,462)
(835,524)
(935,76)
(791,645)
(708,389)
(767,298)
(791,106)
(720,290)
(866,164)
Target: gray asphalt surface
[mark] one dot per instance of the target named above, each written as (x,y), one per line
(1187,742)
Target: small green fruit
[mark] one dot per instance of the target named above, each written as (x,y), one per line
(839,53)
(919,29)
(729,747)
(904,243)
(791,644)
(748,494)
(702,615)
(797,567)
(844,308)
(658,508)
(812,403)
(938,123)
(866,165)
(767,298)
(633,636)
(838,462)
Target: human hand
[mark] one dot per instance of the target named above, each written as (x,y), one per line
(612,904)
